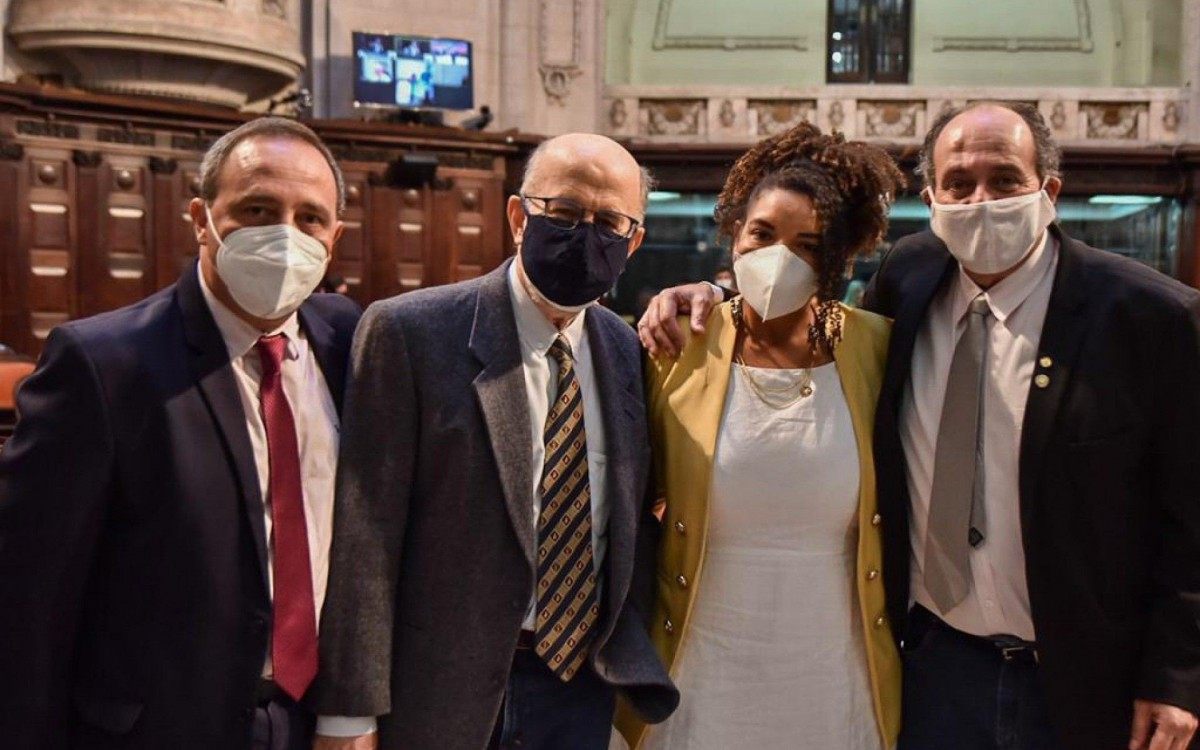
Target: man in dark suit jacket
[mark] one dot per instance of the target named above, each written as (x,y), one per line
(139,584)
(494,539)
(1051,598)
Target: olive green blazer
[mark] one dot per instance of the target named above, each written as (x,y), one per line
(686,398)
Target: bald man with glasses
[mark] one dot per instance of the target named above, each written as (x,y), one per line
(493,549)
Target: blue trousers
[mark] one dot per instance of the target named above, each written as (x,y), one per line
(962,694)
(541,712)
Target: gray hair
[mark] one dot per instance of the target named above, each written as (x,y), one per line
(264,127)
(1047,154)
(646,181)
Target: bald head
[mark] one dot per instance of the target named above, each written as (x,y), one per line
(591,164)
(989,152)
(1013,125)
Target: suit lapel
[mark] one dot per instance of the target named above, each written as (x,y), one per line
(209,363)
(615,375)
(332,362)
(916,300)
(500,389)
(1062,334)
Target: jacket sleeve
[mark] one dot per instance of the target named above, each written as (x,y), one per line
(375,473)
(1171,656)
(56,484)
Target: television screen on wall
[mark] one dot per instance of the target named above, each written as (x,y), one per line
(416,72)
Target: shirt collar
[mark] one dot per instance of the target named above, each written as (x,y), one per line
(535,331)
(240,337)
(1007,295)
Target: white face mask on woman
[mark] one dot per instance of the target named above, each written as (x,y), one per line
(269,270)
(993,236)
(774,281)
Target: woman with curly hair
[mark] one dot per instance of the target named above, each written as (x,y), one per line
(770,607)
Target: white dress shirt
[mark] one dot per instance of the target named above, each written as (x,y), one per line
(536,334)
(316,431)
(998,600)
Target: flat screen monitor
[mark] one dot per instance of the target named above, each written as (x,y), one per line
(416,72)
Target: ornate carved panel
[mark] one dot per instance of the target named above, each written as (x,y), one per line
(892,119)
(560,29)
(777,115)
(1116,121)
(672,117)
(49,266)
(350,259)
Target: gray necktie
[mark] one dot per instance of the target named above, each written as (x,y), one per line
(956,520)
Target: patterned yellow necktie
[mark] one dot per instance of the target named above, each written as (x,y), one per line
(566,581)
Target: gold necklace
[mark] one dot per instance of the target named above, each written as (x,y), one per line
(779,398)
(775,398)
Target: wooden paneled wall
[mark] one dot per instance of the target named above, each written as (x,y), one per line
(93,221)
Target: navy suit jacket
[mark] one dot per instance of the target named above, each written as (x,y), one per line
(134,609)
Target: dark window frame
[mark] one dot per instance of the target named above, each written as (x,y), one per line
(867,52)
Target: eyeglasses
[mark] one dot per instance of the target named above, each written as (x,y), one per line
(567,214)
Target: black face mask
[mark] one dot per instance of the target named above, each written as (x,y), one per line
(571,267)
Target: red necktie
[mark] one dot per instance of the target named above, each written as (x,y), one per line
(294,636)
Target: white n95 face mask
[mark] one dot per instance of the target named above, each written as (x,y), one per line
(269,270)
(992,236)
(774,281)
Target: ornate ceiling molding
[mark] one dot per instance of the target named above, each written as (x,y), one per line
(207,51)
(663,39)
(1082,42)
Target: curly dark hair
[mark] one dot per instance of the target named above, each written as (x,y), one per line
(851,185)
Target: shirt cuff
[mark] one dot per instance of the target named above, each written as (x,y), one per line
(718,292)
(345,726)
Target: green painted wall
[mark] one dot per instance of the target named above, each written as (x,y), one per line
(1132,42)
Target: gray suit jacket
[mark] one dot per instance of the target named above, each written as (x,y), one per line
(432,562)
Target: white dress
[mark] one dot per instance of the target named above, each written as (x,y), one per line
(773,656)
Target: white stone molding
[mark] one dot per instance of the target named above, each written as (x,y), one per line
(891,119)
(1081,42)
(664,39)
(557,66)
(674,118)
(894,114)
(771,116)
(1116,121)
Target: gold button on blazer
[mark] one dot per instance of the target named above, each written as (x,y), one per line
(686,398)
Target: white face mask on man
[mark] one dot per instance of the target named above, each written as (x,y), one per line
(993,236)
(774,281)
(269,270)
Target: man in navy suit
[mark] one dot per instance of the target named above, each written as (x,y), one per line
(166,501)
